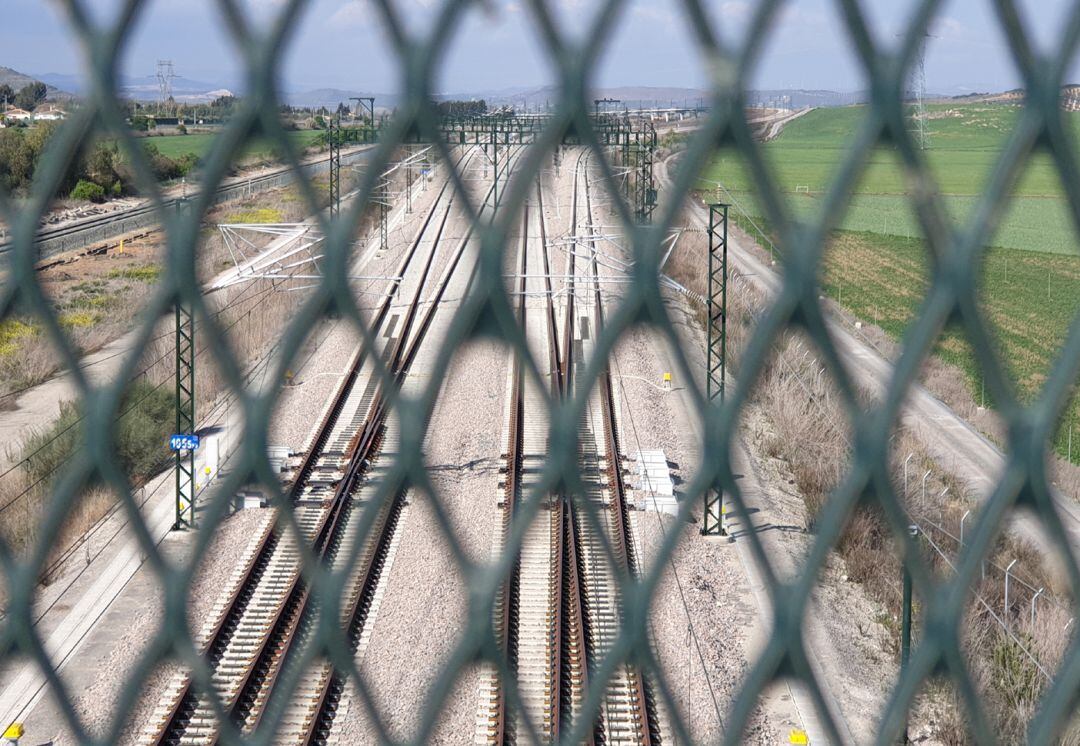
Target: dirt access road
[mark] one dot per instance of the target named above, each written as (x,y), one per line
(948,438)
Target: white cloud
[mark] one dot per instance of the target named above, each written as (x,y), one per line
(737,9)
(653,13)
(353,14)
(947,27)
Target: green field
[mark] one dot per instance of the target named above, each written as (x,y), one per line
(877,265)
(965,142)
(1030,298)
(176,146)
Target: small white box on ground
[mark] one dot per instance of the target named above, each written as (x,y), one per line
(657,490)
(279,457)
(249,500)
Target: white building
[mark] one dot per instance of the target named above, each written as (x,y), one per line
(18,115)
(49,114)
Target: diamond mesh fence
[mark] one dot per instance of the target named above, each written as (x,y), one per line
(488,310)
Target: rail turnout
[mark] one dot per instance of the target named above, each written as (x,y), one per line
(262,634)
(560,610)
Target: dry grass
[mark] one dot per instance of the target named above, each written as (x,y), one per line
(811,435)
(104,308)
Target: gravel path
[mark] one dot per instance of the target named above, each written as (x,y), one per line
(854,646)
(98,703)
(424,611)
(703,584)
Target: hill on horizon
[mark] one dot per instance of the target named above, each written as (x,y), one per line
(17,80)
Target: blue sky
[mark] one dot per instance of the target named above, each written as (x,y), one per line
(341,43)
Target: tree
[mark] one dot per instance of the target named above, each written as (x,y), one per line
(463,108)
(100,165)
(224,102)
(30,95)
(88,191)
(7,94)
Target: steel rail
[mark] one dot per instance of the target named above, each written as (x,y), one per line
(274,654)
(618,509)
(565,669)
(236,602)
(144,217)
(570,607)
(507,603)
(331,680)
(575,598)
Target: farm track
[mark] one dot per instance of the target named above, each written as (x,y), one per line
(261,634)
(561,609)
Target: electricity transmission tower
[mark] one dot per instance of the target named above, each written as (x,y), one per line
(918,90)
(165,75)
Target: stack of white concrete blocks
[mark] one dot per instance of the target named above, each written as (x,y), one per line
(655,490)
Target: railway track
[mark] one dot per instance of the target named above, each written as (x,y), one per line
(53,240)
(261,633)
(560,610)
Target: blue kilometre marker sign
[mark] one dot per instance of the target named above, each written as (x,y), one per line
(184,442)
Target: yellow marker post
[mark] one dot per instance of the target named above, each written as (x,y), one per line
(14,732)
(667,381)
(798,737)
(121,249)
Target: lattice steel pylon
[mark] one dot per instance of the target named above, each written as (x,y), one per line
(382,197)
(185,415)
(918,84)
(165,75)
(333,138)
(185,400)
(644,191)
(712,521)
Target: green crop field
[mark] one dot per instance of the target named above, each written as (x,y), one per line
(965,141)
(176,146)
(877,265)
(1030,299)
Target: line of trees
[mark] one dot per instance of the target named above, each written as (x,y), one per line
(102,170)
(28,97)
(463,108)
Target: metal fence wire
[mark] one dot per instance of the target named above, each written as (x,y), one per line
(488,309)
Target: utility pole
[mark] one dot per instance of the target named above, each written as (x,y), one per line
(365,104)
(495,162)
(918,84)
(598,102)
(905,625)
(712,522)
(333,137)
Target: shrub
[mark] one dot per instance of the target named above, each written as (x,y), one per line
(147,416)
(142,273)
(256,215)
(78,319)
(88,191)
(11,331)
